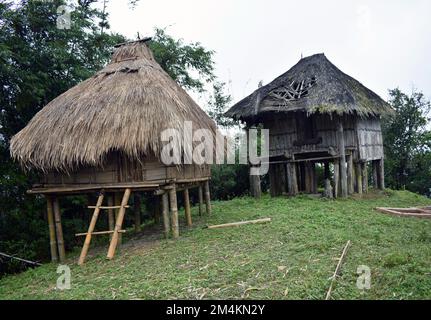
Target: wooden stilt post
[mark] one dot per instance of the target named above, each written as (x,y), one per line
(118,224)
(91,227)
(165,213)
(336,178)
(59,230)
(255,188)
(308,178)
(137,211)
(294,179)
(342,151)
(359,177)
(350,180)
(187,207)
(111,217)
(51,224)
(313,178)
(375,169)
(381,175)
(201,199)
(365,177)
(174,211)
(207,197)
(117,200)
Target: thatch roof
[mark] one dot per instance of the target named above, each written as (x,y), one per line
(314,84)
(123,107)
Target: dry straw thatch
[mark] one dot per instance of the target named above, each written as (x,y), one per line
(330,91)
(123,107)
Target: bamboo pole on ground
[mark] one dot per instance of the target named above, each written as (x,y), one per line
(165,213)
(51,224)
(118,224)
(207,197)
(174,211)
(59,230)
(337,270)
(235,224)
(187,207)
(91,227)
(201,199)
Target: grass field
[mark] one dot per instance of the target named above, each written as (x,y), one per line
(292,257)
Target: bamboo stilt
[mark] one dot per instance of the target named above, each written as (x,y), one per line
(359,178)
(59,230)
(201,199)
(91,227)
(207,197)
(137,211)
(118,224)
(336,178)
(117,203)
(51,224)
(111,219)
(174,212)
(187,207)
(165,213)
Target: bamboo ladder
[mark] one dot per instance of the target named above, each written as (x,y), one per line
(117,228)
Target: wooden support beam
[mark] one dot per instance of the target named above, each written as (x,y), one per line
(359,178)
(350,174)
(165,213)
(342,151)
(201,199)
(59,230)
(187,209)
(91,227)
(381,175)
(51,224)
(365,177)
(313,178)
(208,198)
(98,233)
(117,203)
(118,224)
(137,211)
(295,189)
(174,212)
(111,218)
(336,178)
(255,187)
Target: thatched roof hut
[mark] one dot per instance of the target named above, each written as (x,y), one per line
(316,114)
(313,85)
(104,136)
(124,107)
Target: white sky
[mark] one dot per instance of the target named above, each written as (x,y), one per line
(383,44)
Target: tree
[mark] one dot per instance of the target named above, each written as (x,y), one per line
(407,142)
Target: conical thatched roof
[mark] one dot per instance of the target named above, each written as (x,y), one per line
(314,84)
(123,107)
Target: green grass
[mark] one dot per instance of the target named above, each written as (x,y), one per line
(291,257)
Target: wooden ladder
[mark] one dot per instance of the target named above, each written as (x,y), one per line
(117,229)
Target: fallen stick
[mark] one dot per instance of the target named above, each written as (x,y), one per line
(235,224)
(19,259)
(337,270)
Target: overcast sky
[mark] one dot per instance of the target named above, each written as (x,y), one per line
(383,44)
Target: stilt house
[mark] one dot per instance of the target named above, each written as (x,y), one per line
(318,116)
(104,136)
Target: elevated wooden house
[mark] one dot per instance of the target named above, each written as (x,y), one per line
(316,114)
(104,136)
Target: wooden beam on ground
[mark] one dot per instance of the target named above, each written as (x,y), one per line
(118,224)
(51,224)
(174,212)
(404,212)
(240,223)
(337,270)
(207,198)
(91,227)
(187,209)
(165,214)
(59,230)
